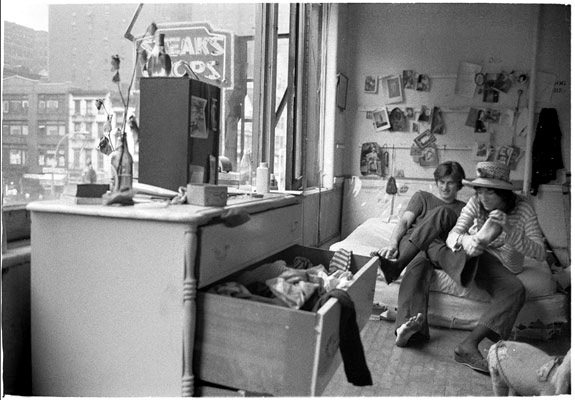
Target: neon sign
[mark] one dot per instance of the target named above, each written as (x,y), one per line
(197,50)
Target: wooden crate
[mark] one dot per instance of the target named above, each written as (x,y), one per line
(275,350)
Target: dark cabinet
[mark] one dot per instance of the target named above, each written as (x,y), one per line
(179,132)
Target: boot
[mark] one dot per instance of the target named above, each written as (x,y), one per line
(392,268)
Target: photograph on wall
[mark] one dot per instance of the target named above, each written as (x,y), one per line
(371,159)
(466,79)
(480,122)
(392,89)
(415,126)
(415,152)
(198,118)
(370,84)
(504,154)
(423,83)
(514,157)
(425,139)
(429,157)
(398,120)
(409,112)
(424,114)
(479,152)
(490,95)
(492,115)
(381,119)
(409,79)
(437,123)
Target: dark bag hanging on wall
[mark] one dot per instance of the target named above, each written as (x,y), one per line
(547,157)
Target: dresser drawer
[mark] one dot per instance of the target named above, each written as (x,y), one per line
(225,250)
(275,350)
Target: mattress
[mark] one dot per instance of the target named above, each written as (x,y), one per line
(450,305)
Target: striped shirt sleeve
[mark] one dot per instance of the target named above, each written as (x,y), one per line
(525,239)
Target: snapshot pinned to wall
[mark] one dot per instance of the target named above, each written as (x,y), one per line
(392,89)
(423,83)
(398,120)
(371,160)
(370,84)
(437,122)
(425,139)
(509,155)
(415,126)
(381,119)
(480,151)
(408,79)
(424,114)
(429,157)
(467,79)
(476,118)
(409,113)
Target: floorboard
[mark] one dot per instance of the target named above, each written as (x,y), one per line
(424,371)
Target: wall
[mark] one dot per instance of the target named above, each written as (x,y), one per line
(433,39)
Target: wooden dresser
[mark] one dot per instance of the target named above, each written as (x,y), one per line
(114,289)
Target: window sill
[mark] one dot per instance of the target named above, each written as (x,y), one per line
(18,253)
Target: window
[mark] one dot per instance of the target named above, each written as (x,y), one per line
(15,128)
(15,106)
(77,107)
(17,155)
(266,57)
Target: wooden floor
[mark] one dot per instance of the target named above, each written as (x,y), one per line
(427,370)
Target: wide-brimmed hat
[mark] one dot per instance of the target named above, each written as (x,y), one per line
(491,174)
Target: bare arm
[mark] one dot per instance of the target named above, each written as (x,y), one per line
(404,223)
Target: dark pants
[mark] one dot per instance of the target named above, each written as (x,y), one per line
(428,236)
(506,290)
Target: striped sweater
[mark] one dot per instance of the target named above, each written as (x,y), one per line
(524,240)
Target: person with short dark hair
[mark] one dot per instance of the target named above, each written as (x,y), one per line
(415,245)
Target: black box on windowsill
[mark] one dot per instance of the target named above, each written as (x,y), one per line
(93,190)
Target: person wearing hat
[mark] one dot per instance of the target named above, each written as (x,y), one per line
(495,211)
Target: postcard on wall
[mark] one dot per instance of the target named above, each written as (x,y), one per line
(392,89)
(437,123)
(415,152)
(480,150)
(381,119)
(423,83)
(425,139)
(198,118)
(424,114)
(429,157)
(465,85)
(398,120)
(370,84)
(409,79)
(371,159)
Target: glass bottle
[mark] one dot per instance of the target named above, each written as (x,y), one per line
(245,171)
(159,62)
(122,164)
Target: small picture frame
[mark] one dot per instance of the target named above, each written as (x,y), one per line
(341,94)
(381,119)
(393,89)
(370,84)
(425,139)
